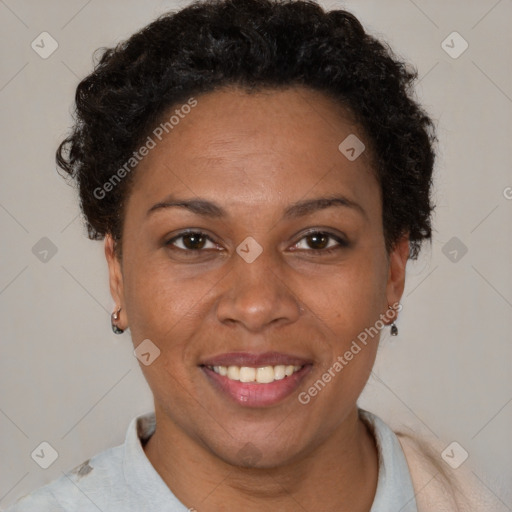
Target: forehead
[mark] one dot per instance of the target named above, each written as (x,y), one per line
(261,149)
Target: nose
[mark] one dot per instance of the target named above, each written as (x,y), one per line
(257,296)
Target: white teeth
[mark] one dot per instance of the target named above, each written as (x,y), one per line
(265,375)
(262,375)
(247,374)
(233,373)
(279,372)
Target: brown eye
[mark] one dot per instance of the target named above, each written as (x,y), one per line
(194,241)
(321,242)
(318,240)
(191,241)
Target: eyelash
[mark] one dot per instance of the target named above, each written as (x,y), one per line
(341,243)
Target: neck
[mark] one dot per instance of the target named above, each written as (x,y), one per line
(339,475)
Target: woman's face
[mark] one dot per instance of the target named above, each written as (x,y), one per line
(250,240)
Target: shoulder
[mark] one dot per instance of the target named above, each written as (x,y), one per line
(87,487)
(437,485)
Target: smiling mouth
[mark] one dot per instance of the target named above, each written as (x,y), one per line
(261,375)
(256,386)
(255,379)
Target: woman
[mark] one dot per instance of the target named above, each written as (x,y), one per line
(261,175)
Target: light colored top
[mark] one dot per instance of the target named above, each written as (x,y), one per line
(122,479)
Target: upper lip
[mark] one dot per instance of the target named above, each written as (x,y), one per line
(255,360)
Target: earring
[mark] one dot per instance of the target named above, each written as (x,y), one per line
(394,328)
(113,319)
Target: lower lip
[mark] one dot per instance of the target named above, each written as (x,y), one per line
(253,394)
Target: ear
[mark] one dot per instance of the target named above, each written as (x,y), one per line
(396,274)
(115,278)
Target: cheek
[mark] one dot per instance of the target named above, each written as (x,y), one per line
(348,306)
(172,309)
(348,312)
(160,301)
(351,297)
(164,307)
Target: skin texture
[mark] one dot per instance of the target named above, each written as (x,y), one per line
(254,155)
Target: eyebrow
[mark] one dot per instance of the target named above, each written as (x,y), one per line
(302,208)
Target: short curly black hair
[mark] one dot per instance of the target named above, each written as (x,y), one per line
(255,45)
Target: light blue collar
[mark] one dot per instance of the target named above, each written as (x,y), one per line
(395,492)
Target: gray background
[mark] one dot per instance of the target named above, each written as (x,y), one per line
(66,379)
